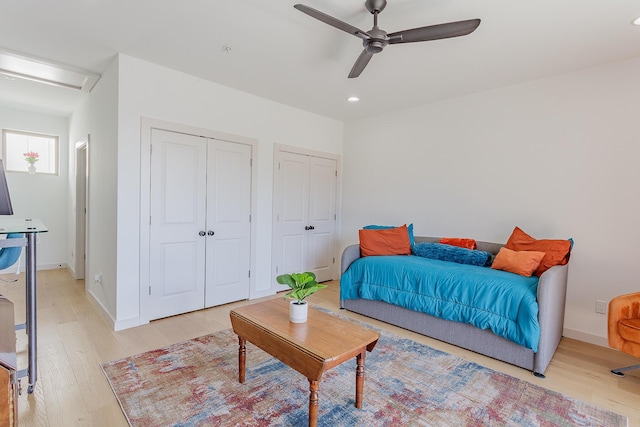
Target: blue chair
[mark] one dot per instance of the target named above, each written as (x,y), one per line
(10,256)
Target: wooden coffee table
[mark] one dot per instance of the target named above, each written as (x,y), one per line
(311,348)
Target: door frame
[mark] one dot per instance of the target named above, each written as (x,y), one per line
(277,150)
(82,206)
(146,126)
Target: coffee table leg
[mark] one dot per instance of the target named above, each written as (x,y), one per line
(242,359)
(359,378)
(313,403)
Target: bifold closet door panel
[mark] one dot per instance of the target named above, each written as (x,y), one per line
(322,217)
(228,251)
(292,200)
(178,218)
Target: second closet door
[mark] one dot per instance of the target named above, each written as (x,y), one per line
(305,215)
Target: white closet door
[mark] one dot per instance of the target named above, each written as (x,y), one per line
(293,213)
(228,223)
(178,197)
(322,217)
(305,215)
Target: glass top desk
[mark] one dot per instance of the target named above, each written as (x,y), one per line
(30,227)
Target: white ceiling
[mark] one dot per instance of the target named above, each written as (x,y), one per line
(282,54)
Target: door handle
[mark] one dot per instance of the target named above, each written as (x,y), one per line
(306,227)
(202,233)
(311,227)
(210,233)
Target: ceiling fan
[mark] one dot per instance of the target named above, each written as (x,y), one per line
(376,39)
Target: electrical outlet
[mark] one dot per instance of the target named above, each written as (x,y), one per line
(98,279)
(601,307)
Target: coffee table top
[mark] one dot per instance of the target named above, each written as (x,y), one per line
(323,337)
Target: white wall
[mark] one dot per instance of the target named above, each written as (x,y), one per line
(42,196)
(151,91)
(557,157)
(97,117)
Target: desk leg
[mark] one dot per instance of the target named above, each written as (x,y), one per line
(359,378)
(313,403)
(242,359)
(31,310)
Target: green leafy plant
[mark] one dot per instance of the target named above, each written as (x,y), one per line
(302,284)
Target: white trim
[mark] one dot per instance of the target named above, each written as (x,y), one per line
(583,336)
(52,266)
(306,152)
(100,309)
(82,235)
(56,149)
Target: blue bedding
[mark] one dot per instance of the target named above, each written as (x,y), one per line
(491,299)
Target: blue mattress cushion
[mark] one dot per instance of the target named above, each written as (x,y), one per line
(452,254)
(502,302)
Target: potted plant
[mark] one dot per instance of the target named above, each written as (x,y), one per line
(302,285)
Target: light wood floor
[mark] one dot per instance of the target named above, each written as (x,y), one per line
(73,340)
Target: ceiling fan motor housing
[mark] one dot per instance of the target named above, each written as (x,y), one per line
(374,6)
(377,42)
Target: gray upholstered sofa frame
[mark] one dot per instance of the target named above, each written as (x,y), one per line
(552,289)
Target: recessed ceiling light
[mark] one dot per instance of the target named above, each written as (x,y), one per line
(353,99)
(637,21)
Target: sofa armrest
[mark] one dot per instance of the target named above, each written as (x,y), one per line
(552,295)
(349,255)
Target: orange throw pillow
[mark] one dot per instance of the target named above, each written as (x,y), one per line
(390,241)
(523,263)
(462,243)
(556,251)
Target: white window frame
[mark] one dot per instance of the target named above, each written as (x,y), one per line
(56,139)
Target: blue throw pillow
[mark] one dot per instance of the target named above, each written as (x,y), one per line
(385,227)
(450,253)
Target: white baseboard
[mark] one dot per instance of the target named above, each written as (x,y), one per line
(100,308)
(50,266)
(583,336)
(128,323)
(115,325)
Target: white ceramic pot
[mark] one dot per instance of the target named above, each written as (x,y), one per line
(298,311)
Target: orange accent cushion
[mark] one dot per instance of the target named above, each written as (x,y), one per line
(390,241)
(456,241)
(523,263)
(556,251)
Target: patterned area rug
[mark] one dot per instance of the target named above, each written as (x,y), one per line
(195,383)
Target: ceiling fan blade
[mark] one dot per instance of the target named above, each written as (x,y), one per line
(360,64)
(434,32)
(334,22)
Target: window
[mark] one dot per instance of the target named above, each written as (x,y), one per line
(21,150)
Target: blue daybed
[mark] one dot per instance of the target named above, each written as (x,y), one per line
(512,318)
